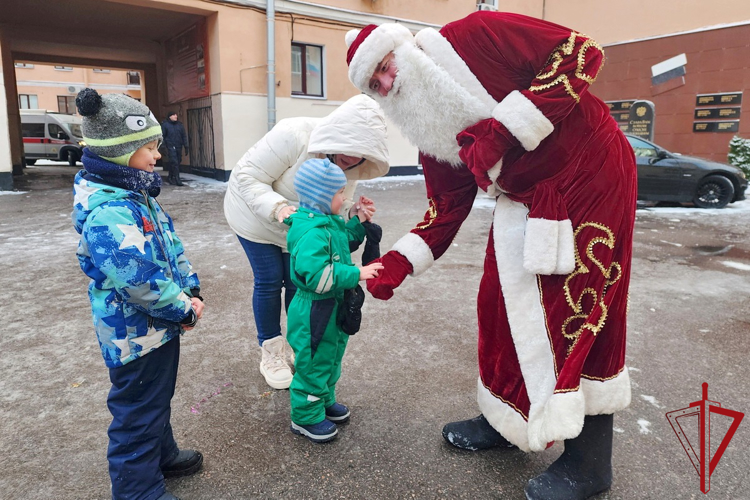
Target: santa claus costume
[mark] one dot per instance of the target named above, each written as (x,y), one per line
(500,101)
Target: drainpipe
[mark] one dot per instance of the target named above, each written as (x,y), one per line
(271,42)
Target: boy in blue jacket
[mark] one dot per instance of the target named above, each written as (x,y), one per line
(143,291)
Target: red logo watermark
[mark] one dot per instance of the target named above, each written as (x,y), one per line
(706,464)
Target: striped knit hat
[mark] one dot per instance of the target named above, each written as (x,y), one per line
(115,125)
(316,182)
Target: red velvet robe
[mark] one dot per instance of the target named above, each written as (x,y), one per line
(553,297)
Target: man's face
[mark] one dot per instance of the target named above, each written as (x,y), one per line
(384,75)
(173,117)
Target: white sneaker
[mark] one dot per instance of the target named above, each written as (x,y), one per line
(273,363)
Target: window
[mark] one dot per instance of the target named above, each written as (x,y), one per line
(57,132)
(66,104)
(63,68)
(307,70)
(23,65)
(27,101)
(101,70)
(642,148)
(134,78)
(32,129)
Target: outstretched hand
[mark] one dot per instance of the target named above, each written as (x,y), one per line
(370,271)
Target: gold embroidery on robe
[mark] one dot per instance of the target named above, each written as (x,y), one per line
(611,274)
(430,216)
(556,58)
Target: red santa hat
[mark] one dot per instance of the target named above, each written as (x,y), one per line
(368,46)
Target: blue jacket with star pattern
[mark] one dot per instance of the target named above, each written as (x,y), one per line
(141,281)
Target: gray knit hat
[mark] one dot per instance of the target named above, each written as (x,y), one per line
(316,183)
(115,125)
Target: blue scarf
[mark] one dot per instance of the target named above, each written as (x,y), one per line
(100,170)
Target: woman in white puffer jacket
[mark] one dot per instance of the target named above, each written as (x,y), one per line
(261,189)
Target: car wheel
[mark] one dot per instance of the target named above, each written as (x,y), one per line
(72,158)
(30,162)
(714,191)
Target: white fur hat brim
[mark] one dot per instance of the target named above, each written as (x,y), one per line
(382,40)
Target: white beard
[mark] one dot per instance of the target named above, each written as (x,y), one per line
(428,105)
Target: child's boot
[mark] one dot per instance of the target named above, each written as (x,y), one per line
(185,463)
(322,432)
(338,413)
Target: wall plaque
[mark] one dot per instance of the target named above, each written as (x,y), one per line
(720,126)
(717,113)
(723,99)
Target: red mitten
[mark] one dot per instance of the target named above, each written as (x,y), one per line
(482,146)
(395,269)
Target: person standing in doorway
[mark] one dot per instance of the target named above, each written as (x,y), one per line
(175,139)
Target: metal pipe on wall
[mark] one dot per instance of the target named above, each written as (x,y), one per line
(271,100)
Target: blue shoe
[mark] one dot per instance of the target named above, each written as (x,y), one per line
(322,432)
(338,413)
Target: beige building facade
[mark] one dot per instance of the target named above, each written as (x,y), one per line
(209,60)
(54,87)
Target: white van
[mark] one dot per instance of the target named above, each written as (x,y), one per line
(51,136)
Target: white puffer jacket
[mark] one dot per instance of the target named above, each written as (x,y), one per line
(263,180)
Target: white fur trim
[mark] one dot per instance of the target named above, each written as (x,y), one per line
(502,417)
(608,396)
(523,119)
(559,419)
(373,49)
(350,36)
(442,52)
(417,252)
(566,258)
(524,307)
(540,246)
(493,173)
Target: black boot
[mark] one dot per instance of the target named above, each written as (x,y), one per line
(583,470)
(177,179)
(186,463)
(474,434)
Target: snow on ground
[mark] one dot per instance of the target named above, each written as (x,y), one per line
(736,265)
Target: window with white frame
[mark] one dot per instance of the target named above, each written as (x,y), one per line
(23,65)
(134,78)
(64,68)
(101,70)
(307,70)
(27,101)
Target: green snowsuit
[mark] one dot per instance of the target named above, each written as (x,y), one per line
(321,267)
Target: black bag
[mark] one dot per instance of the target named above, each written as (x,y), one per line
(349,317)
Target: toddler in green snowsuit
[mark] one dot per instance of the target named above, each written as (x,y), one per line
(322,269)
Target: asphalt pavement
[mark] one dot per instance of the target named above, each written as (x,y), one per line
(411,369)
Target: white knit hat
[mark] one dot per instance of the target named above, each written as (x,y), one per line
(368,46)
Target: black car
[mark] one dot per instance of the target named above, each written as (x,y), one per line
(665,176)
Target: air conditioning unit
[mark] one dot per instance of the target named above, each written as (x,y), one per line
(72,89)
(491,6)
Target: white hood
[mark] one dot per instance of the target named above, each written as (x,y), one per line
(356,128)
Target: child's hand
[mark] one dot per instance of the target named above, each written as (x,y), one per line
(286,212)
(370,271)
(198,306)
(367,203)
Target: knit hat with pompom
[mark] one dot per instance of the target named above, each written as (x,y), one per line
(116,125)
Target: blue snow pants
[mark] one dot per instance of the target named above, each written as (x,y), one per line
(140,436)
